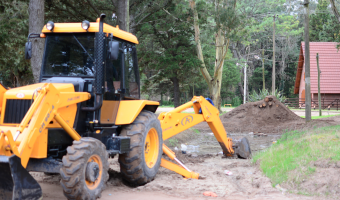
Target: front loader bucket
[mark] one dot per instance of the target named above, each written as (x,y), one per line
(15,182)
(242,148)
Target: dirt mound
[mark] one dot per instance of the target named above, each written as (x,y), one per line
(266,116)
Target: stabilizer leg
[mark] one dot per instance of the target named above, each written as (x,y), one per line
(178,169)
(181,168)
(16,183)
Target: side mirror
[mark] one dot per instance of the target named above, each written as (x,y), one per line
(113,50)
(28,50)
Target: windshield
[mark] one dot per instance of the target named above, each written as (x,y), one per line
(69,55)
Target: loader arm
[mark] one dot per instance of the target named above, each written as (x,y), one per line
(16,183)
(42,111)
(174,122)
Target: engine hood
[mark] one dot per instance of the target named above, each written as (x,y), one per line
(26,92)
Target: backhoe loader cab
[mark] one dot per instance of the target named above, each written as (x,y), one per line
(85,109)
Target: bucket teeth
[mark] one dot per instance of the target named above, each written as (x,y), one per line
(16,183)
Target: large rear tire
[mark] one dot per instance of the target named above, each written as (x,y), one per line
(141,164)
(85,169)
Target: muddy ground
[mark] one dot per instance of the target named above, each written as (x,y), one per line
(246,181)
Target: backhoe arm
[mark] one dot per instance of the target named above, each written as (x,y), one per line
(174,122)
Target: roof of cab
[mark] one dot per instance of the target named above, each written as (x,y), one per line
(94,27)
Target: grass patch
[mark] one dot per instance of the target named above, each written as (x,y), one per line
(289,159)
(316,110)
(195,130)
(319,117)
(222,113)
(167,106)
(173,142)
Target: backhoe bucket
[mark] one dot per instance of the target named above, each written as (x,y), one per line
(15,182)
(242,148)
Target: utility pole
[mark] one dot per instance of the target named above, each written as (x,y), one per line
(245,77)
(319,94)
(264,84)
(273,72)
(307,65)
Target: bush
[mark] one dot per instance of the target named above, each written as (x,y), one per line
(254,96)
(167,103)
(236,101)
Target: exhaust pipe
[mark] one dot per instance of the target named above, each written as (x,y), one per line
(99,66)
(16,183)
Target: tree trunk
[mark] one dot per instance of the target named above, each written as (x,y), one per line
(335,11)
(36,23)
(219,61)
(203,68)
(240,88)
(237,55)
(215,82)
(123,14)
(176,91)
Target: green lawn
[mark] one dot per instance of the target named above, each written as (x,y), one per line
(324,116)
(289,160)
(167,106)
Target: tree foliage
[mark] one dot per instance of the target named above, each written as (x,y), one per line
(166,31)
(15,70)
(166,53)
(323,25)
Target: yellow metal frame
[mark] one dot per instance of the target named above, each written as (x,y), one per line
(68,112)
(128,110)
(174,122)
(2,92)
(45,108)
(94,27)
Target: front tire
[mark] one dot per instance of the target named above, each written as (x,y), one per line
(141,164)
(85,169)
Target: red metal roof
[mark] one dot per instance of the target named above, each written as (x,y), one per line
(329,62)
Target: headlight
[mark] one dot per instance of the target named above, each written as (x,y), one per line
(50,25)
(85,25)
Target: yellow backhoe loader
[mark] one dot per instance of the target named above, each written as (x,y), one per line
(85,109)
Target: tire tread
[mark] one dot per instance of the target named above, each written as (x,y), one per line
(131,164)
(73,166)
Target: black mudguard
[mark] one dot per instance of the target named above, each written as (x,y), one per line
(15,181)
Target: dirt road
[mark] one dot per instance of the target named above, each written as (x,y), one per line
(246,182)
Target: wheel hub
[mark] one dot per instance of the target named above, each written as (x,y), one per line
(151,147)
(92,171)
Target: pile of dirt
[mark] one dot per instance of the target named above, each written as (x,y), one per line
(266,116)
